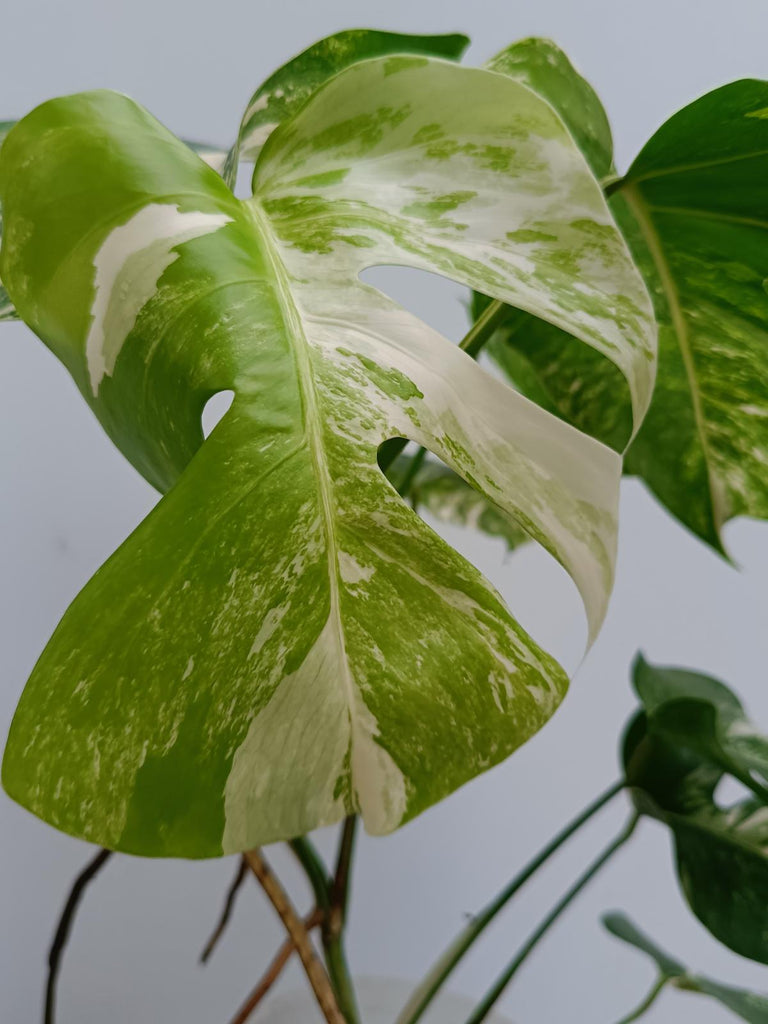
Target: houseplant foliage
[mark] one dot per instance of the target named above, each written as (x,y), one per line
(270,677)
(283,642)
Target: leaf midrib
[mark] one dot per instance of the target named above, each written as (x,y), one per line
(642,212)
(305,375)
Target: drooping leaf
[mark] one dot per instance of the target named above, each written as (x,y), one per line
(675,754)
(694,711)
(283,640)
(286,90)
(450,499)
(750,1006)
(694,210)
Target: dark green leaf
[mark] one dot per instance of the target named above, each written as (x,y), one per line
(675,754)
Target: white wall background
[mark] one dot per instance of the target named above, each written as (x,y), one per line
(69,499)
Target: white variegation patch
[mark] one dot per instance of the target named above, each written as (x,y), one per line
(128,266)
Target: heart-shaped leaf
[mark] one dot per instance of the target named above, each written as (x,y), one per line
(748,1005)
(693,209)
(283,641)
(694,730)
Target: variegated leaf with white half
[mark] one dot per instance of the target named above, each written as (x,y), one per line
(283,640)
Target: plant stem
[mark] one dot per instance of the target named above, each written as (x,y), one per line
(437,976)
(342,876)
(273,972)
(483,328)
(490,998)
(64,927)
(226,913)
(472,342)
(299,936)
(332,921)
(335,922)
(649,1000)
(315,871)
(410,472)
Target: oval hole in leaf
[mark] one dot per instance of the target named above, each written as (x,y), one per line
(215,408)
(730,791)
(436,300)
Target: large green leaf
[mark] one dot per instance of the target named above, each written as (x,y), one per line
(748,1005)
(283,640)
(286,90)
(694,209)
(692,731)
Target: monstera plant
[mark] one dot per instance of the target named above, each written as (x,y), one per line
(284,643)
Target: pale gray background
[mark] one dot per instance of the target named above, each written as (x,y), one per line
(69,499)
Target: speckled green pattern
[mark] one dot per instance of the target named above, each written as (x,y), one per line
(699,192)
(694,210)
(542,66)
(283,640)
(289,88)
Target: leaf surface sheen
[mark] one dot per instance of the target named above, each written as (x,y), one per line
(283,641)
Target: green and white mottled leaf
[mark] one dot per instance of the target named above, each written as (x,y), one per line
(694,209)
(450,499)
(539,358)
(692,732)
(283,641)
(543,67)
(214,157)
(288,89)
(750,1006)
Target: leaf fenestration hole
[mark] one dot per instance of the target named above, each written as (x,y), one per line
(214,409)
(438,301)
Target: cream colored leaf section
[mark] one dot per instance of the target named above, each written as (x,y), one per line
(128,266)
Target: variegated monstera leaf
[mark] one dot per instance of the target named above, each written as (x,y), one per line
(694,209)
(283,641)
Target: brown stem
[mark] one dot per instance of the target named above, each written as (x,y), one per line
(64,927)
(226,912)
(273,972)
(299,936)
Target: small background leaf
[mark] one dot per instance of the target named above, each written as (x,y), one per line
(450,499)
(675,753)
(747,1005)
